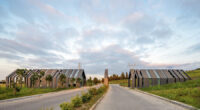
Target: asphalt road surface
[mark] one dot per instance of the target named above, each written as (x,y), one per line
(41,102)
(120,98)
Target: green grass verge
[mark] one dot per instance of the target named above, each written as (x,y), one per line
(7,93)
(187,92)
(195,74)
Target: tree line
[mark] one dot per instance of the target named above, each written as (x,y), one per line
(93,81)
(118,77)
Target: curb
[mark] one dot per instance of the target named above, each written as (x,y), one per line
(168,100)
(98,101)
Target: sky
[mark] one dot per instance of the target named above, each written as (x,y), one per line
(99,34)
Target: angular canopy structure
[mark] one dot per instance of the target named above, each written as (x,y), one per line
(75,74)
(151,77)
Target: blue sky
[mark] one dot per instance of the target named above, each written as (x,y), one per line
(100,34)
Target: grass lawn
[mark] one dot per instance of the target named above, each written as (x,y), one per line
(123,82)
(195,74)
(187,92)
(7,93)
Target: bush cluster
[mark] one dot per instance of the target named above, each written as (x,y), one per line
(93,91)
(66,106)
(77,101)
(86,97)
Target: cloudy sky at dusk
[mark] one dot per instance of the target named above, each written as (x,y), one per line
(100,34)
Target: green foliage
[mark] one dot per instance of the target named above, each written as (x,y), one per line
(49,78)
(34,78)
(21,74)
(18,89)
(93,91)
(78,80)
(101,89)
(84,97)
(72,80)
(126,75)
(89,96)
(67,106)
(62,79)
(76,101)
(122,76)
(40,75)
(89,82)
(95,80)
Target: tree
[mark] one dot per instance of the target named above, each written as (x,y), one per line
(40,75)
(95,80)
(126,75)
(89,81)
(21,74)
(102,80)
(49,79)
(72,80)
(122,76)
(34,78)
(115,77)
(62,79)
(78,81)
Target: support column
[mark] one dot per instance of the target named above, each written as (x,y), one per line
(7,82)
(129,82)
(133,78)
(106,77)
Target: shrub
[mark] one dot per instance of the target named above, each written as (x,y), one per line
(100,90)
(66,106)
(18,89)
(76,101)
(93,91)
(84,97)
(89,96)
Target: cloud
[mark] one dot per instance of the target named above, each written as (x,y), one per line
(99,34)
(194,48)
(139,23)
(191,6)
(113,57)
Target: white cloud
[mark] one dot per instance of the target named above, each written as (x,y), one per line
(99,34)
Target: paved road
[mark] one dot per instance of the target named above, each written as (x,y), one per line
(40,102)
(120,98)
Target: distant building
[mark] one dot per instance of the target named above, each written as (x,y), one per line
(72,76)
(140,78)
